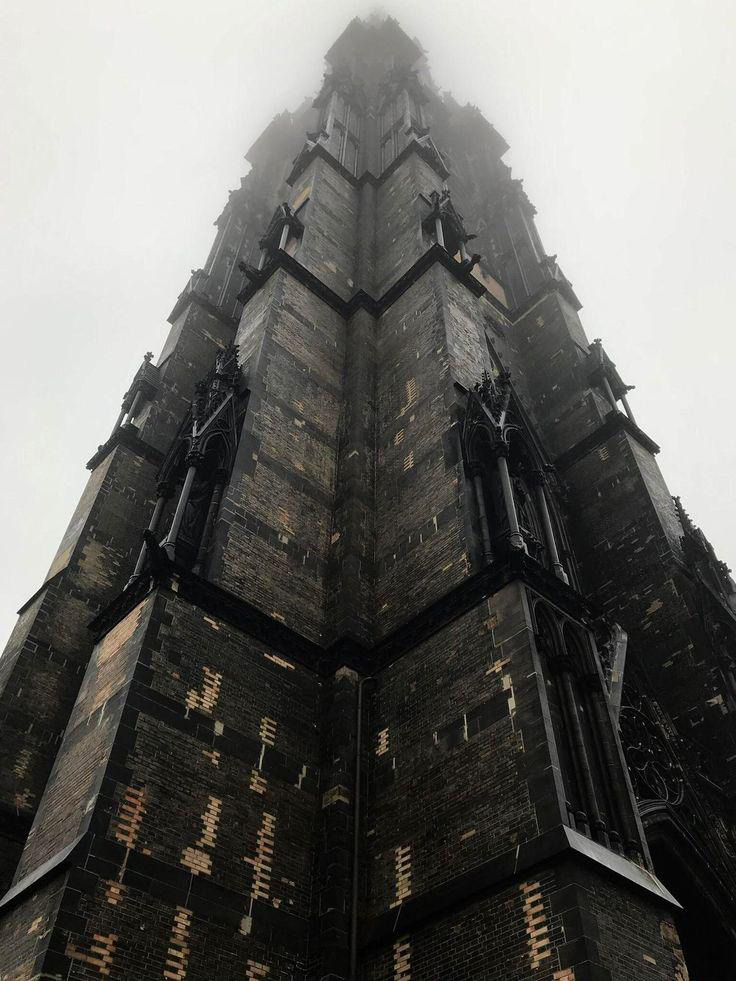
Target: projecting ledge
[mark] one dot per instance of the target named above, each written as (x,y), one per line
(614,422)
(127,436)
(57,864)
(278,259)
(561,843)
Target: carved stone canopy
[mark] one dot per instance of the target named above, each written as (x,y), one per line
(342,81)
(702,559)
(401,79)
(453,227)
(600,366)
(145,382)
(210,423)
(510,193)
(283,215)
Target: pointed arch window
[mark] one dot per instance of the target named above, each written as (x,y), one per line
(392,120)
(195,472)
(345,141)
(597,796)
(400,112)
(510,479)
(341,104)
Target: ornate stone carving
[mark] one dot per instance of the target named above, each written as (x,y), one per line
(651,750)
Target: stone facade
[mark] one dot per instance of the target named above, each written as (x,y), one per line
(327,678)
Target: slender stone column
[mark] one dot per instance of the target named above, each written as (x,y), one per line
(170,543)
(617,783)
(209,524)
(581,821)
(609,394)
(485,530)
(284,236)
(549,534)
(119,420)
(627,407)
(164,493)
(516,539)
(596,822)
(407,112)
(126,413)
(134,405)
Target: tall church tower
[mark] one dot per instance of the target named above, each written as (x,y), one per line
(326,679)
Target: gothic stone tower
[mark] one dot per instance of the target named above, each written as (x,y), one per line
(326,678)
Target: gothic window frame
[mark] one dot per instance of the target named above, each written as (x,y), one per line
(492,407)
(598,800)
(390,134)
(348,124)
(206,444)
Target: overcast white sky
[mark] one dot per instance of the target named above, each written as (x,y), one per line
(126,124)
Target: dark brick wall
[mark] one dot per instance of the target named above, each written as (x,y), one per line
(351,568)
(329,245)
(625,532)
(46,656)
(489,939)
(191,764)
(273,534)
(455,717)
(556,925)
(547,352)
(399,214)
(26,939)
(75,780)
(420,547)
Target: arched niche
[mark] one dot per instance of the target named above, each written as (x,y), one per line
(704,924)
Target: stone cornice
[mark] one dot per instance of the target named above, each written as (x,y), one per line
(547,289)
(489,876)
(326,659)
(614,422)
(319,150)
(361,300)
(126,436)
(191,296)
(63,859)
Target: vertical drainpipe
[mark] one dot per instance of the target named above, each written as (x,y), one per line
(356,832)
